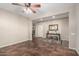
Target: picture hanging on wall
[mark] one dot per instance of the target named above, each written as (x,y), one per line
(53,27)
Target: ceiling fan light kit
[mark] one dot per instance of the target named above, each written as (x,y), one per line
(28,11)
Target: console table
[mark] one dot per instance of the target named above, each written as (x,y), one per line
(55,36)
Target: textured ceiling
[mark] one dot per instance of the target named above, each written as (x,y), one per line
(45,9)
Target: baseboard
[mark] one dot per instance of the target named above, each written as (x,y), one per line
(12,43)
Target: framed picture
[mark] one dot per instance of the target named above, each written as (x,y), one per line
(53,27)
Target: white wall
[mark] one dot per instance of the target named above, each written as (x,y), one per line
(77,22)
(72,28)
(14,28)
(63,27)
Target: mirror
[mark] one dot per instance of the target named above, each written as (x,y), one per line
(53,27)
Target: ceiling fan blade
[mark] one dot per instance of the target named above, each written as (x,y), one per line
(32,10)
(17,4)
(36,5)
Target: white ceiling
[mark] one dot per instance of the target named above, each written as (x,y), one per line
(45,9)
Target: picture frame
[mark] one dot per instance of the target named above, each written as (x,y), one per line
(53,27)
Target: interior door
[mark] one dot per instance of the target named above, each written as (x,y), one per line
(40,31)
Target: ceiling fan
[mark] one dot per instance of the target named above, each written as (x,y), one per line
(33,7)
